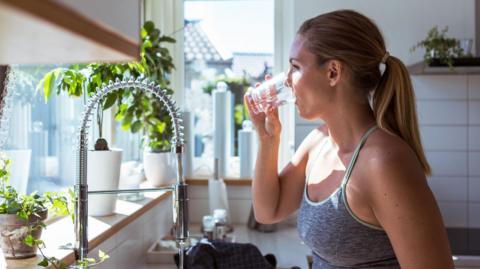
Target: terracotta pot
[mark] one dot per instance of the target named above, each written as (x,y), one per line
(12,232)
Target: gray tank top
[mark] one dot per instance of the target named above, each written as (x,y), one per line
(337,237)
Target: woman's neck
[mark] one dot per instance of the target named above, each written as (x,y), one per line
(347,126)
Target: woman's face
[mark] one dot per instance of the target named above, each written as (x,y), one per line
(308,81)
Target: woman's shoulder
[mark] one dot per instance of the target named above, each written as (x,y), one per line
(387,158)
(382,147)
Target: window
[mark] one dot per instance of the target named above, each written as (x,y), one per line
(39,137)
(230,41)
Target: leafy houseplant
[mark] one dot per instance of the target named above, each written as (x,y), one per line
(439,47)
(85,80)
(22,216)
(22,219)
(138,111)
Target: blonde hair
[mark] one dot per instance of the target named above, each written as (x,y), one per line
(355,40)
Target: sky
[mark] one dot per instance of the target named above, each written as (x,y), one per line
(235,26)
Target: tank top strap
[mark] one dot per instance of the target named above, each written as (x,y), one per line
(355,155)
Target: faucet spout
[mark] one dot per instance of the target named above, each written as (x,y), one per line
(179,189)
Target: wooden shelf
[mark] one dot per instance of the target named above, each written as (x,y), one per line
(422,69)
(46,32)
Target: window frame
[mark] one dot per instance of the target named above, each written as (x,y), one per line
(169,16)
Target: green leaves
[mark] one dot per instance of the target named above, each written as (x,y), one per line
(136,109)
(136,126)
(49,84)
(43,263)
(110,100)
(166,39)
(28,240)
(439,47)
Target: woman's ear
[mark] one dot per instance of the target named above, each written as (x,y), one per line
(334,72)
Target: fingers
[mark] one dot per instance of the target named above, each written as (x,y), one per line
(272,112)
(247,100)
(251,106)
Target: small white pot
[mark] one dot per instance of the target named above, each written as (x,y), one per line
(159,168)
(103,173)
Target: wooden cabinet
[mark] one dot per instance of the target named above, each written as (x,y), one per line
(47,31)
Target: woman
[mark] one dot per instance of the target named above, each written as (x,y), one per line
(359,180)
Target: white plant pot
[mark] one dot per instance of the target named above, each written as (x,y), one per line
(103,173)
(159,167)
(20,168)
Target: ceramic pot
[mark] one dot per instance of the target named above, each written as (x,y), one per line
(103,173)
(12,232)
(159,168)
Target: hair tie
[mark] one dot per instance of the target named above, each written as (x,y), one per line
(385,57)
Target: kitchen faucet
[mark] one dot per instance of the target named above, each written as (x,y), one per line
(179,189)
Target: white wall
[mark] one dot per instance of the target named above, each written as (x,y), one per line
(128,247)
(402,22)
(449,118)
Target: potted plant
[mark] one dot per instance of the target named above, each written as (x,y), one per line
(439,49)
(103,163)
(139,112)
(136,110)
(22,216)
(22,220)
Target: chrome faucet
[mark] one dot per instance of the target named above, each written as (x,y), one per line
(179,189)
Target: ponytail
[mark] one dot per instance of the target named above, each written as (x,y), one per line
(354,39)
(394,107)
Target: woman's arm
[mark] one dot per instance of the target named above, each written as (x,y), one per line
(275,196)
(406,208)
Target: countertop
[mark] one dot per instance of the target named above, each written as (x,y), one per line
(284,243)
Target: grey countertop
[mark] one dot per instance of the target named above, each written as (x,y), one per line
(284,243)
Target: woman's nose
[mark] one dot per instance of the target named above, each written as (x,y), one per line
(288,80)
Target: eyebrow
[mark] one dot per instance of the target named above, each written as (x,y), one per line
(292,59)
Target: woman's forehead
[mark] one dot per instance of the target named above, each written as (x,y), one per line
(299,51)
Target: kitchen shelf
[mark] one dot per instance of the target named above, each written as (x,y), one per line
(422,69)
(46,32)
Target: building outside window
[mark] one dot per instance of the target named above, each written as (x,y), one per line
(235,44)
(229,41)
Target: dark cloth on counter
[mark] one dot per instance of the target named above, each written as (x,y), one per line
(225,255)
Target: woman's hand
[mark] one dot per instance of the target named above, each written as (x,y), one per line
(267,124)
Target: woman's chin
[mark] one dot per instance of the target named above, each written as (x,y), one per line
(306,116)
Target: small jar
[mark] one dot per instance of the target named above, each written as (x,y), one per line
(208,223)
(220,217)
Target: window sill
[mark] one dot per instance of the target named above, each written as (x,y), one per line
(229,181)
(60,233)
